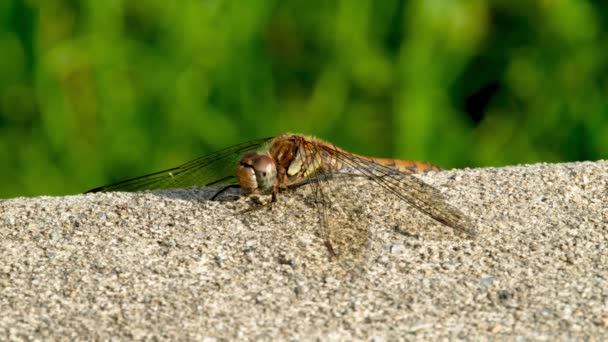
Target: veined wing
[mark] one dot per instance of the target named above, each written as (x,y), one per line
(345,237)
(216,168)
(411,189)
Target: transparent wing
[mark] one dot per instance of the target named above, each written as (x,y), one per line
(341,226)
(414,191)
(216,168)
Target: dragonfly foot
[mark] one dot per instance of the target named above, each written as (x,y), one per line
(257,203)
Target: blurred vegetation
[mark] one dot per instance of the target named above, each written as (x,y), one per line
(96,91)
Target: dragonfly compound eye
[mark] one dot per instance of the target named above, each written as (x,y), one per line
(265,171)
(246,174)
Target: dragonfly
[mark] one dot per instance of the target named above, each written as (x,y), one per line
(275,164)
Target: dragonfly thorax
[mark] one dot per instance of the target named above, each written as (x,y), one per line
(256,172)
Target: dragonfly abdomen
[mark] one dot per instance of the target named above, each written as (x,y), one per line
(399,165)
(406,166)
(364,166)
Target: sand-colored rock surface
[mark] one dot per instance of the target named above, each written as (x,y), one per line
(174,265)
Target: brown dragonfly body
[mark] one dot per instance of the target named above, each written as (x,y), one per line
(274,164)
(292,158)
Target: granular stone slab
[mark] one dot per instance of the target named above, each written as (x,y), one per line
(175,265)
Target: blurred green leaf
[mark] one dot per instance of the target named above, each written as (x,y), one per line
(93,92)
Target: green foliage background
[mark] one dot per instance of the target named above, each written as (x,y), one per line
(95,91)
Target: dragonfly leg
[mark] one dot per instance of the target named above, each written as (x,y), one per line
(257,204)
(219,192)
(275,189)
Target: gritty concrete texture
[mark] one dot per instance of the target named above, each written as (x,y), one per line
(174,265)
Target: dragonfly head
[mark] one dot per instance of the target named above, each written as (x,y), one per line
(256,171)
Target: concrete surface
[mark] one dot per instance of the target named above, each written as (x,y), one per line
(173,265)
